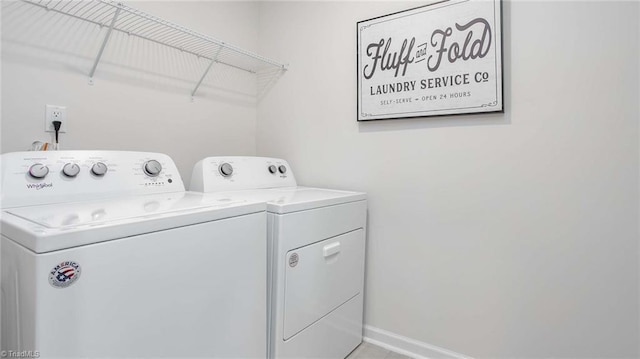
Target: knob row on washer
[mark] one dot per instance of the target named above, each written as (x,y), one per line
(40,171)
(151,168)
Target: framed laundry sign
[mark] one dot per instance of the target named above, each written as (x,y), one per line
(440,59)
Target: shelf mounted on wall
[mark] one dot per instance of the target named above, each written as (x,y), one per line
(118,17)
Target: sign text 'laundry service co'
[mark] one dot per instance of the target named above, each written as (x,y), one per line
(439,59)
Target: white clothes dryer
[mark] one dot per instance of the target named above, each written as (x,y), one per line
(104,254)
(316,245)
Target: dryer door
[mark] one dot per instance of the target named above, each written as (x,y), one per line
(321,277)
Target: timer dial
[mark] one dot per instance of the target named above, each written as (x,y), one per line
(99,169)
(71,169)
(282,169)
(38,171)
(273,169)
(152,168)
(225,169)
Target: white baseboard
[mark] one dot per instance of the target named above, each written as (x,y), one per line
(407,346)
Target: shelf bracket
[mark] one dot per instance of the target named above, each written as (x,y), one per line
(104,44)
(202,78)
(213,61)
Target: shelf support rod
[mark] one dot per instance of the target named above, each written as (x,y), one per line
(104,44)
(213,61)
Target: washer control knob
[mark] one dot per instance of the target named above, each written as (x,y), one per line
(152,168)
(70,169)
(282,169)
(38,170)
(273,169)
(99,169)
(225,169)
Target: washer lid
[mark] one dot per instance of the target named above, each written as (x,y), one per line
(58,226)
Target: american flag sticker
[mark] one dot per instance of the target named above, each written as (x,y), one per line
(64,274)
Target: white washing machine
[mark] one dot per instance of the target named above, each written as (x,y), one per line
(105,255)
(316,250)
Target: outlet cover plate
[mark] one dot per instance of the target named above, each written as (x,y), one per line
(54,112)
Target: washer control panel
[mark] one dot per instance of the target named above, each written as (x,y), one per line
(42,177)
(214,174)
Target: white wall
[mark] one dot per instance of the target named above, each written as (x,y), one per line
(126,110)
(496,235)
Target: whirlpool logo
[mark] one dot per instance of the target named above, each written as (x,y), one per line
(39,186)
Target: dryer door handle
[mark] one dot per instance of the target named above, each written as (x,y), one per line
(331,249)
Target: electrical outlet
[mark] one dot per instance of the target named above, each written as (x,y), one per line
(56,113)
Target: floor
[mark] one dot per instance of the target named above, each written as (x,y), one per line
(366,351)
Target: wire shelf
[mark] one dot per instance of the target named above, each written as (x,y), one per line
(117,17)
